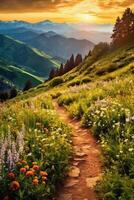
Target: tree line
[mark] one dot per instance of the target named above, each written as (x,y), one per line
(123,31)
(13,92)
(64,68)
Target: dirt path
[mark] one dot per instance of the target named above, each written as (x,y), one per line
(86,165)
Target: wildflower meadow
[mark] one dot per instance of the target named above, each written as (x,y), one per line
(35,149)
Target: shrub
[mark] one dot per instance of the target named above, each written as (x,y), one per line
(56,81)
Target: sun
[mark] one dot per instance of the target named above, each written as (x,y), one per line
(86,17)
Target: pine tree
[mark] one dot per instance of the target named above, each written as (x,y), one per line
(78,60)
(52,74)
(28,85)
(67,67)
(13,93)
(124,28)
(61,70)
(71,62)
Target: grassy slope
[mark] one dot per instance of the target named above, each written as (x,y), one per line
(105,105)
(33,60)
(14,75)
(115,64)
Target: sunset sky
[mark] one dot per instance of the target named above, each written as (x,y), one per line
(88,11)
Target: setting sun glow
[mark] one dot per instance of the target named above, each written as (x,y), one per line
(89,11)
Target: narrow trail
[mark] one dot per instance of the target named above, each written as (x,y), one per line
(86,168)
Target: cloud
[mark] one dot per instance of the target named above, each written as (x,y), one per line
(34,5)
(64,10)
(103,4)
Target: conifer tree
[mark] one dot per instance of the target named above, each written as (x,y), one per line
(52,74)
(71,62)
(61,70)
(28,85)
(13,93)
(78,60)
(124,28)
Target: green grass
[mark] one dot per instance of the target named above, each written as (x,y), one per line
(46,142)
(17,76)
(100,94)
(28,59)
(107,109)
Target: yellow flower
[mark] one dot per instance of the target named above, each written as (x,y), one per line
(24,162)
(44,178)
(42,173)
(35,181)
(34,163)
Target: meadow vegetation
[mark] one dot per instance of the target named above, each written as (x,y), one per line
(35,149)
(107,109)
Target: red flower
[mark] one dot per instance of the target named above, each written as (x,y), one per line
(23,170)
(11,175)
(14,185)
(36,167)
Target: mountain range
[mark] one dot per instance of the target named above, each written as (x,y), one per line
(31,50)
(50,42)
(94,33)
(21,60)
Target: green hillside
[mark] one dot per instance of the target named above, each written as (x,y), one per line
(114,63)
(98,93)
(14,75)
(31,59)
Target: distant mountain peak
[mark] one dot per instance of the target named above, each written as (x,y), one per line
(45,22)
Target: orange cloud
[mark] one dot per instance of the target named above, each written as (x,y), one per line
(99,11)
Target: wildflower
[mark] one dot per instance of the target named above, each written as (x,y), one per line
(26,167)
(14,185)
(43,182)
(36,167)
(29,173)
(127,120)
(11,175)
(31,169)
(44,178)
(35,181)
(19,164)
(125,140)
(23,170)
(130,149)
(45,130)
(34,163)
(24,162)
(42,173)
